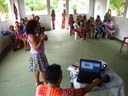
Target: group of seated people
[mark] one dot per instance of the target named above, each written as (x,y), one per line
(83,27)
(18,34)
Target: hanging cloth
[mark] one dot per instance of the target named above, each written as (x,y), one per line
(15,11)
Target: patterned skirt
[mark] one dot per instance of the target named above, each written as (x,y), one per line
(38,62)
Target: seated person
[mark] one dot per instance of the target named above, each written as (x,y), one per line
(92,25)
(87,29)
(54,77)
(110,28)
(77,29)
(98,27)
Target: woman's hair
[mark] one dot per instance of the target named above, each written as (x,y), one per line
(53,73)
(37,17)
(53,11)
(11,27)
(31,26)
(64,11)
(98,16)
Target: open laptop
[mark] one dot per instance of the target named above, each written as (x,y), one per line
(89,70)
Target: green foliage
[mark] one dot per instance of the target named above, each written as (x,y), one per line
(35,5)
(117,5)
(74,6)
(54,4)
(3,6)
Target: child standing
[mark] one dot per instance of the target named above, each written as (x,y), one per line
(63,19)
(38,61)
(53,16)
(71,22)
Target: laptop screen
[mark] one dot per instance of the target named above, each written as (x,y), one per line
(89,70)
(90,65)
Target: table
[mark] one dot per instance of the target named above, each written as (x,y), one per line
(113,88)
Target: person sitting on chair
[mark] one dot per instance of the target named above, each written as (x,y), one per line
(110,28)
(98,27)
(54,78)
(77,29)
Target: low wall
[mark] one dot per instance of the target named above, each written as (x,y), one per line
(122,27)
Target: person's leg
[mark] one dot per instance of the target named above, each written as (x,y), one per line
(97,32)
(103,32)
(53,24)
(79,33)
(112,35)
(44,76)
(70,30)
(37,78)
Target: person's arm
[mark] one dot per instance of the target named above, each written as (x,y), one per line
(35,44)
(84,90)
(89,87)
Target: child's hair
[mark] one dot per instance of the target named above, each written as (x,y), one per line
(71,16)
(64,11)
(16,22)
(30,27)
(11,27)
(53,12)
(84,17)
(37,17)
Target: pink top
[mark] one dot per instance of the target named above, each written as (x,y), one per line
(41,50)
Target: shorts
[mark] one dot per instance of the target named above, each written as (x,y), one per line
(72,27)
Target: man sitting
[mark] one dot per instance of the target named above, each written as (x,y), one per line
(54,77)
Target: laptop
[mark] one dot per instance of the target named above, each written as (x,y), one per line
(89,70)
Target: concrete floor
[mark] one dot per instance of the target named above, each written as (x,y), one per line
(15,80)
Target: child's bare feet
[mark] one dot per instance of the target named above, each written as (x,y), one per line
(41,82)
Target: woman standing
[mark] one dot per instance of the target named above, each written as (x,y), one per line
(53,16)
(38,61)
(63,19)
(107,16)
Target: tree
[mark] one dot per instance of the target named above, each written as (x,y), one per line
(54,4)
(4,8)
(118,5)
(35,5)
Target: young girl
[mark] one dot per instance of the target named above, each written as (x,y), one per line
(19,37)
(53,16)
(71,22)
(13,37)
(63,19)
(38,61)
(78,30)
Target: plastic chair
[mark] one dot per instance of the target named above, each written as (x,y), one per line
(76,36)
(124,42)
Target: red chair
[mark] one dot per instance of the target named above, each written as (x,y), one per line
(124,42)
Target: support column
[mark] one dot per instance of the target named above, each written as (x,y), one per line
(91,8)
(125,9)
(49,13)
(67,13)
